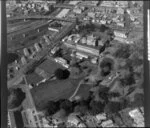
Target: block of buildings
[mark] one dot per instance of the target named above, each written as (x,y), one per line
(32,118)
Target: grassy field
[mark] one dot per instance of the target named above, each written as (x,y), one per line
(33,78)
(50,66)
(53,90)
(83,91)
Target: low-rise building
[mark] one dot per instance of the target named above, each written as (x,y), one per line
(87,49)
(91,14)
(23,60)
(32,118)
(120,11)
(63,13)
(103,21)
(37,47)
(62,61)
(26,52)
(122,24)
(137,116)
(108,123)
(53,29)
(11,120)
(83,40)
(81,55)
(120,34)
(77,10)
(47,40)
(91,40)
(100,117)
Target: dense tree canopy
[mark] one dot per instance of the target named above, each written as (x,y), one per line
(106,66)
(52,108)
(96,107)
(67,106)
(61,73)
(123,51)
(112,107)
(15,97)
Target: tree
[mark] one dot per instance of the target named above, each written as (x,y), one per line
(128,79)
(106,66)
(122,51)
(81,109)
(51,108)
(15,97)
(112,107)
(103,28)
(67,106)
(138,100)
(61,73)
(96,107)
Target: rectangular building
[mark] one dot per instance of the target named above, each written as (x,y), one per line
(87,49)
(63,13)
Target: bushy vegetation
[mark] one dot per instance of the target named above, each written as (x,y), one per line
(15,97)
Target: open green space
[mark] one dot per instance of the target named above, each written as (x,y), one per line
(50,66)
(53,90)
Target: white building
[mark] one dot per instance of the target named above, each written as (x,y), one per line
(77,10)
(81,55)
(83,40)
(26,52)
(63,13)
(120,34)
(87,49)
(91,14)
(53,29)
(101,117)
(107,123)
(37,47)
(47,40)
(122,24)
(62,61)
(75,2)
(138,117)
(91,40)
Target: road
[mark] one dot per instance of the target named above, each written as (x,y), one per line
(30,25)
(38,17)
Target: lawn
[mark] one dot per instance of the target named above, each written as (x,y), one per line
(83,91)
(50,66)
(33,78)
(53,90)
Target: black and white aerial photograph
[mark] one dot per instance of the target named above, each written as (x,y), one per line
(75,63)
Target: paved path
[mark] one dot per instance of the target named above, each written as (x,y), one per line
(80,83)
